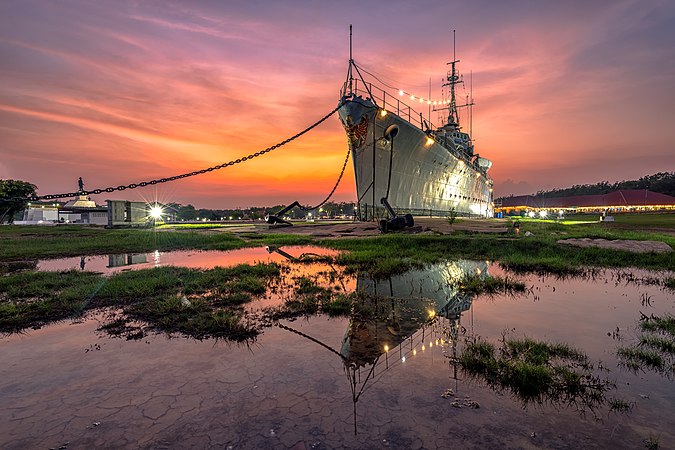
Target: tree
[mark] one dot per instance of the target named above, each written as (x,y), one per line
(14,197)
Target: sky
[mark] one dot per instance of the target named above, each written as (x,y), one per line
(118,92)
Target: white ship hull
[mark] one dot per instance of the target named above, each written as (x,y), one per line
(426,178)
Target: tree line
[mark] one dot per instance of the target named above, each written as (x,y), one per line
(176,211)
(15,196)
(662,182)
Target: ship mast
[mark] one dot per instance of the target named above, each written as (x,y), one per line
(452,80)
(351,61)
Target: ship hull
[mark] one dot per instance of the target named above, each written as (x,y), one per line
(424,177)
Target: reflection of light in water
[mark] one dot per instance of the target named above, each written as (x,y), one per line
(156,258)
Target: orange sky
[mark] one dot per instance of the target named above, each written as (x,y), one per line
(120,92)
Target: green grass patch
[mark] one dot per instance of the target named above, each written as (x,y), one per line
(198,303)
(391,254)
(32,242)
(490,285)
(536,372)
(654,348)
(669,282)
(310,298)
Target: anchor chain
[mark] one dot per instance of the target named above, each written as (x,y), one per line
(196,172)
(342,172)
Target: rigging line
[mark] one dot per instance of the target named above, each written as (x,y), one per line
(384,83)
(342,172)
(306,336)
(379,77)
(190,174)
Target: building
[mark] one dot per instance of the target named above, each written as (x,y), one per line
(40,213)
(123,213)
(83,210)
(80,211)
(628,200)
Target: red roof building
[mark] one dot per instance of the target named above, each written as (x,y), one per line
(617,201)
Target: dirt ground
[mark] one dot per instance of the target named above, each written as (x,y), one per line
(627,245)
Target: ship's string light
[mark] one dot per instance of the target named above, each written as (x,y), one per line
(429,101)
(402,92)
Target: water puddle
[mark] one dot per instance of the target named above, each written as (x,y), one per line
(195,259)
(390,371)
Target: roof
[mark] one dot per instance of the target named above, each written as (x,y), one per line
(82,202)
(626,197)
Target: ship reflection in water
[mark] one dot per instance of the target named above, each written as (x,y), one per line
(399,316)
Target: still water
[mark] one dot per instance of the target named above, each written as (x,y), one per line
(319,382)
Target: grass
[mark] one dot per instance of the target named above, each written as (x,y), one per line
(490,285)
(310,298)
(654,348)
(32,242)
(536,372)
(198,303)
(659,220)
(620,405)
(380,256)
(390,254)
(669,282)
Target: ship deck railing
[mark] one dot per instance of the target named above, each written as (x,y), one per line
(392,103)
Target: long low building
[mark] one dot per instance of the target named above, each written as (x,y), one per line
(628,200)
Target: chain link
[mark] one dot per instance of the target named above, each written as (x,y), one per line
(202,171)
(342,172)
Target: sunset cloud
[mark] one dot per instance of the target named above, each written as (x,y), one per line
(118,92)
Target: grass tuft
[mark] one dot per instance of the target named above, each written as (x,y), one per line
(536,372)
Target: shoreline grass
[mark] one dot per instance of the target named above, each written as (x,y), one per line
(198,303)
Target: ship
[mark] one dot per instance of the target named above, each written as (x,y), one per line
(403,164)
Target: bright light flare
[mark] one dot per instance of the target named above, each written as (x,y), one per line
(156,212)
(543,214)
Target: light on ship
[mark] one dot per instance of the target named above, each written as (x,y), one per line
(383,112)
(429,141)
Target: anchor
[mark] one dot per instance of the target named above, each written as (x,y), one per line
(274,219)
(395,222)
